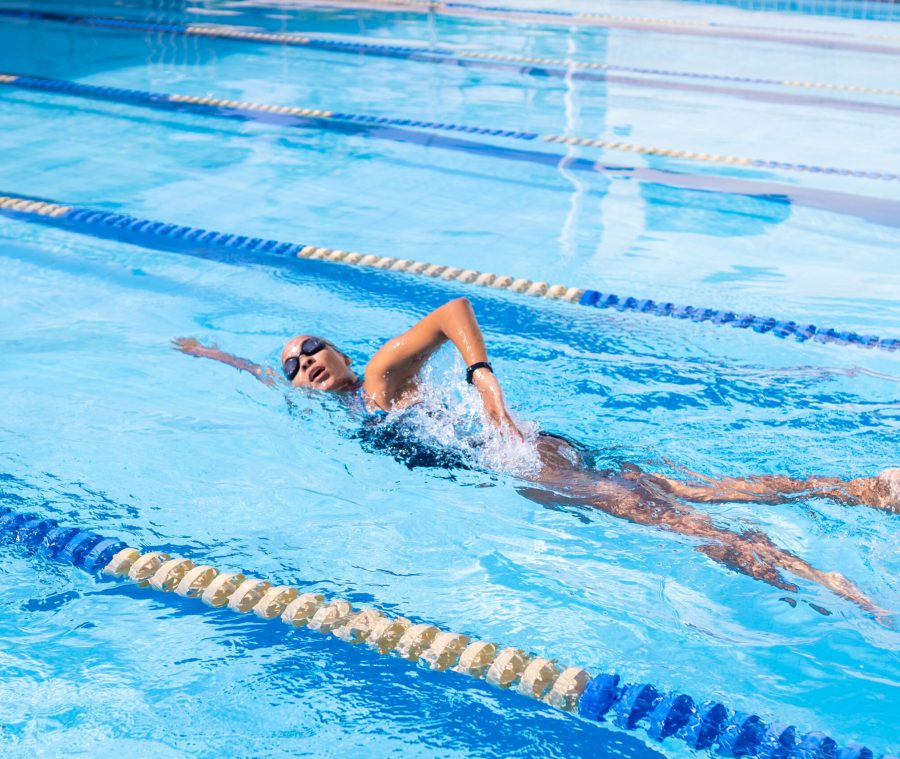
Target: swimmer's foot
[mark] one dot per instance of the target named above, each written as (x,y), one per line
(757,556)
(881,492)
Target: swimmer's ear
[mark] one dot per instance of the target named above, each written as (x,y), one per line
(347,359)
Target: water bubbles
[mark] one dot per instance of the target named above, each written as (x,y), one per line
(450,416)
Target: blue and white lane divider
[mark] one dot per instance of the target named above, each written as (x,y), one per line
(703,726)
(533,65)
(327,119)
(158,235)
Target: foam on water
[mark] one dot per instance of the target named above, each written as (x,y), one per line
(448,428)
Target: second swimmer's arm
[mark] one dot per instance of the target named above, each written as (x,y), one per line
(392,369)
(191,347)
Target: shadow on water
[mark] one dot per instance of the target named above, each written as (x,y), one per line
(671,209)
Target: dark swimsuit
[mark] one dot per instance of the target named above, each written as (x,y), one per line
(400,439)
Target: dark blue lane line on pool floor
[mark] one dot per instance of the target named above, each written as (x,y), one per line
(178,238)
(873,209)
(450,57)
(705,726)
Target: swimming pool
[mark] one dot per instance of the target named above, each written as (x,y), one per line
(104,426)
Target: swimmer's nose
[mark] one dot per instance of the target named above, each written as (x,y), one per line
(308,361)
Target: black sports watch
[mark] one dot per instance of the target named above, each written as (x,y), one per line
(470,371)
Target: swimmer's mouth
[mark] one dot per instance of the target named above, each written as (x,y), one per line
(316,373)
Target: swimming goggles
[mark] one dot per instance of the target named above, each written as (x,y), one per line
(308,347)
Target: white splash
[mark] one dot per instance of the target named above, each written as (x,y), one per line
(450,414)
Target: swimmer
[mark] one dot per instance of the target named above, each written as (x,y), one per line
(390,383)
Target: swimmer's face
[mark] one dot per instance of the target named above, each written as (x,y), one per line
(326,369)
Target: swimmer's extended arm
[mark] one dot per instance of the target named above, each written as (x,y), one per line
(392,370)
(191,347)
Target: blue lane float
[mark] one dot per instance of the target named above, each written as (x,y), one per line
(70,545)
(602,698)
(761,324)
(179,238)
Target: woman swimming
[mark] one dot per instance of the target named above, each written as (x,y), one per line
(390,383)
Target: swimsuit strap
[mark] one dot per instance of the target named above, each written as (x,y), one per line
(364,397)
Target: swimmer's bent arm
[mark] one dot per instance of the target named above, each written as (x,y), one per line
(392,370)
(191,347)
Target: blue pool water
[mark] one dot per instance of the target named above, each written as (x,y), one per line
(104,426)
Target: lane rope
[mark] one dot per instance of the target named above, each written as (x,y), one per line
(420,53)
(161,236)
(707,725)
(433,5)
(215,106)
(825,39)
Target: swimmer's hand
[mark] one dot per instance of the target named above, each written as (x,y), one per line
(192,347)
(494,405)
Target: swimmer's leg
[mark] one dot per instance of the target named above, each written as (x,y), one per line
(750,553)
(754,554)
(878,492)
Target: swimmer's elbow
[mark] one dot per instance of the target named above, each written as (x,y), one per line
(457,315)
(461,302)
(450,309)
(460,307)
